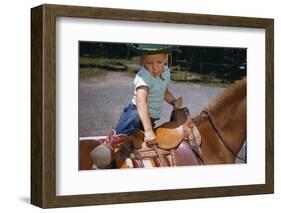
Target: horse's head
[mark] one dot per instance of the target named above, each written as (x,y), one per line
(230,105)
(223,125)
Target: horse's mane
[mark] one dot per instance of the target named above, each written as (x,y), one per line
(230,95)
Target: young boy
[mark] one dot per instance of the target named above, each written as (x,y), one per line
(151,90)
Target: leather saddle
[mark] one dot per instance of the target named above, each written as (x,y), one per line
(170,134)
(178,143)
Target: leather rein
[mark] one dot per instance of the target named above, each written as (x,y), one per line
(211,120)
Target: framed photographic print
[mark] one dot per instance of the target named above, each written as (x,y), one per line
(89,68)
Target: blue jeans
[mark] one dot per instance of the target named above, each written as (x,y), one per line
(130,121)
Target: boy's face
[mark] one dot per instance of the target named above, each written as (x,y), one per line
(155,63)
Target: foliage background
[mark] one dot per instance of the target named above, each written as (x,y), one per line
(189,63)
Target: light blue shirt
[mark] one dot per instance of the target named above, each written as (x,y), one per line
(156,89)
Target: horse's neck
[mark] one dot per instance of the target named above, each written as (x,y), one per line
(230,116)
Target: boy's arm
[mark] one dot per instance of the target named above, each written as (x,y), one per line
(142,107)
(169,98)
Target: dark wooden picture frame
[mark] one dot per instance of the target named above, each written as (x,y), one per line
(43,105)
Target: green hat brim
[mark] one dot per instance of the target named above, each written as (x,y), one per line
(150,49)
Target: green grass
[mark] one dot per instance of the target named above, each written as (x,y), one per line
(107,61)
(91,73)
(119,65)
(98,67)
(196,78)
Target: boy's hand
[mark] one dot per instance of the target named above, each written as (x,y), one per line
(150,137)
(178,103)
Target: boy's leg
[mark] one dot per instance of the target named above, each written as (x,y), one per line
(129,121)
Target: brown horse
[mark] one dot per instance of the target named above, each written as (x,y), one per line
(222,128)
